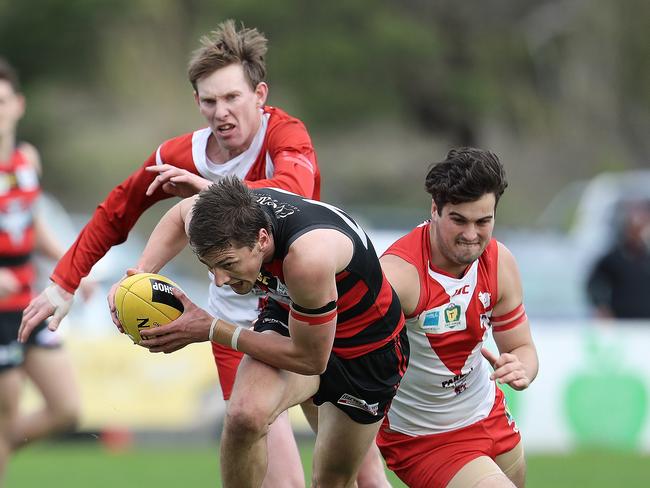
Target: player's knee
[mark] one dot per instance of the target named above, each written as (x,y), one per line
(373,479)
(372,473)
(65,417)
(244,421)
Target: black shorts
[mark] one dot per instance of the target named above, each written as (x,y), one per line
(362,387)
(12,352)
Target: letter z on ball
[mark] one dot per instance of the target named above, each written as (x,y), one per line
(146,300)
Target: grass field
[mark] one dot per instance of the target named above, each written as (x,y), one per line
(76,465)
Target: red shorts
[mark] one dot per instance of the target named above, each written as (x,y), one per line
(227,361)
(433,460)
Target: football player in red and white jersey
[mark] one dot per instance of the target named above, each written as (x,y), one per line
(262,145)
(42,359)
(448,425)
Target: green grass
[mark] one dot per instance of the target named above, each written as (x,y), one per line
(72,465)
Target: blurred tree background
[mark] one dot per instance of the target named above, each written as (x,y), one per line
(560,89)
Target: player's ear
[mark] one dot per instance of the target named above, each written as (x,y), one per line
(434,208)
(263,239)
(261,93)
(21,105)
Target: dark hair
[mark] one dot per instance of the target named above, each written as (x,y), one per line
(225,46)
(8,73)
(225,214)
(465,175)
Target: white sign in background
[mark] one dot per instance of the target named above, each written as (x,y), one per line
(592,390)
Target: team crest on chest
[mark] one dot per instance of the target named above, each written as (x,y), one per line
(449,317)
(484,297)
(453,315)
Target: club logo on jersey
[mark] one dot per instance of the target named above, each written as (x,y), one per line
(359,403)
(445,318)
(484,297)
(280,209)
(452,315)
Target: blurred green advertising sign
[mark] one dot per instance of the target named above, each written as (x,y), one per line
(592,390)
(606,401)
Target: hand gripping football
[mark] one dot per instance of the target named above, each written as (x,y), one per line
(146,300)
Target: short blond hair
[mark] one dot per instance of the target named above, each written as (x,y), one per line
(225,46)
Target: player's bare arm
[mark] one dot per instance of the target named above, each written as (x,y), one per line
(168,238)
(46,242)
(176,181)
(309,269)
(517,363)
(49,246)
(405,280)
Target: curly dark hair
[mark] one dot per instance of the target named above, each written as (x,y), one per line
(465,175)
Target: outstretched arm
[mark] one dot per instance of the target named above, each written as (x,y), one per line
(517,363)
(168,238)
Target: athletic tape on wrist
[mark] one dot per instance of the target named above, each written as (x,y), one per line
(61,305)
(235,338)
(54,297)
(213,325)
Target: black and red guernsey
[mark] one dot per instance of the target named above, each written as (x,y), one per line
(369,312)
(19,189)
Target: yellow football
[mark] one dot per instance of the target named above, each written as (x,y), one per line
(146,300)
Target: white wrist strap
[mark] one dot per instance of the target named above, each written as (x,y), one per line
(213,326)
(61,304)
(235,338)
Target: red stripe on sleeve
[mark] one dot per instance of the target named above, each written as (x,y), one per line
(313,319)
(510,315)
(510,325)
